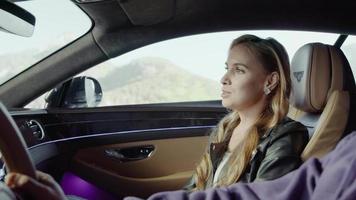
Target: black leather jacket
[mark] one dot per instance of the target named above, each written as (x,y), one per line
(277,153)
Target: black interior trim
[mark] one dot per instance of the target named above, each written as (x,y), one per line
(130,136)
(340,40)
(43,152)
(60,124)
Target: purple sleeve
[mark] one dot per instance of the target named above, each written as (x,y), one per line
(291,186)
(339,172)
(331,178)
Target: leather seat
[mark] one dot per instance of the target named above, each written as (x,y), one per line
(322,96)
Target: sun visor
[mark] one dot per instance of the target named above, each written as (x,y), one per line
(142,12)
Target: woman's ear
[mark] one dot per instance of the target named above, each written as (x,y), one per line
(272,81)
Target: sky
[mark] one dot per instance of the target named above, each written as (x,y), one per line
(205,54)
(53,19)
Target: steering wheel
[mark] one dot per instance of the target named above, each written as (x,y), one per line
(13,146)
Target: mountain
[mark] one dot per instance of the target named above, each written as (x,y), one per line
(154,80)
(14,62)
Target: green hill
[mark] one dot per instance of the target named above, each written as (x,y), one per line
(155,80)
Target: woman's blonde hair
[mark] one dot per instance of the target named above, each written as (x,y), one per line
(274,58)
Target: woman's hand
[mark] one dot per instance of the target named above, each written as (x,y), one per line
(45,187)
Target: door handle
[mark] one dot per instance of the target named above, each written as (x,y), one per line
(130,153)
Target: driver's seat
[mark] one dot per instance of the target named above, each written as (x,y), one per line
(322,96)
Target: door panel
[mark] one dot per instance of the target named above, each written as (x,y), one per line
(75,141)
(169,166)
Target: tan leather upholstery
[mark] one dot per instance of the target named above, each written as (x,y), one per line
(331,126)
(314,72)
(319,99)
(169,167)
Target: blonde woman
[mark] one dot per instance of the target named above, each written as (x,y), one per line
(255,141)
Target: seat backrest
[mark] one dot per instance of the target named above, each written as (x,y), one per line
(322,92)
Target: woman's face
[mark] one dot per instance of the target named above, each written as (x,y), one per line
(244,79)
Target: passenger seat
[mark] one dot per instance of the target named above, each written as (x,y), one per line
(323,96)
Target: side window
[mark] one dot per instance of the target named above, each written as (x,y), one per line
(177,70)
(163,72)
(349,49)
(151,75)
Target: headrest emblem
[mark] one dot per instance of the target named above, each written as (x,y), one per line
(298,75)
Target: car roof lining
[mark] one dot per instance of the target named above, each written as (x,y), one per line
(128,28)
(143,13)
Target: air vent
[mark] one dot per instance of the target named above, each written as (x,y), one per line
(36,129)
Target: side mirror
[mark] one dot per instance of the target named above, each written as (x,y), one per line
(16,20)
(78,92)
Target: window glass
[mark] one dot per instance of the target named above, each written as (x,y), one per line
(58,22)
(182,69)
(349,49)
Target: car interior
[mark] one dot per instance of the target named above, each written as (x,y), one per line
(137,150)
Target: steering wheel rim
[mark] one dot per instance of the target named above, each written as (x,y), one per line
(13,146)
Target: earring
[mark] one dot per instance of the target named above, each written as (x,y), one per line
(267,90)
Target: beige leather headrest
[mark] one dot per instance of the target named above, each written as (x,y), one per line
(316,71)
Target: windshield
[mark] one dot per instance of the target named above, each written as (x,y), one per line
(58,22)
